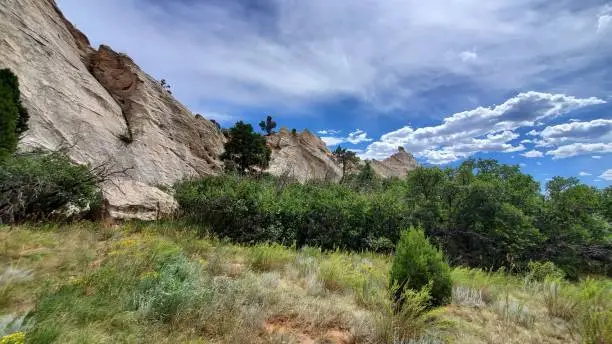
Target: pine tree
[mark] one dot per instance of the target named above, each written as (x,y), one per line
(346,158)
(268,125)
(245,149)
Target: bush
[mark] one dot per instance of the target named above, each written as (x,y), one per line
(266,209)
(40,185)
(417,265)
(541,271)
(482,213)
(13,116)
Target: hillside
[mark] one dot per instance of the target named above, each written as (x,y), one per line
(86,282)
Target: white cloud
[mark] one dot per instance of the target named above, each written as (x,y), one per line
(598,130)
(332,141)
(607,175)
(575,149)
(523,164)
(291,53)
(604,23)
(539,163)
(355,137)
(358,136)
(329,132)
(533,154)
(584,174)
(526,141)
(478,130)
(597,157)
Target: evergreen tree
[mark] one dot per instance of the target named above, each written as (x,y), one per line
(346,158)
(245,149)
(268,125)
(418,264)
(13,116)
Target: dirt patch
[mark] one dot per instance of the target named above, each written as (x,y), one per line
(305,333)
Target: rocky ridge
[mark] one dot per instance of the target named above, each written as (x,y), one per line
(303,156)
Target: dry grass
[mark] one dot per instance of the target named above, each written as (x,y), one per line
(159,283)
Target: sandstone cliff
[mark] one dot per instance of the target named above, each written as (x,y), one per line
(305,156)
(302,156)
(397,165)
(100,107)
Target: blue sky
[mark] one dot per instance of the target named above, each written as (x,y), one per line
(526,82)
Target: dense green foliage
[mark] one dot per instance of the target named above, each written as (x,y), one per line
(13,116)
(325,215)
(36,186)
(419,265)
(245,149)
(481,213)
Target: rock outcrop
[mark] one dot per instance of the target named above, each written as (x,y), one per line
(101,108)
(303,156)
(397,165)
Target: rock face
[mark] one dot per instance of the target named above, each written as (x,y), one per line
(397,165)
(302,156)
(101,108)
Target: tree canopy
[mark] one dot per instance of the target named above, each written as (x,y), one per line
(245,150)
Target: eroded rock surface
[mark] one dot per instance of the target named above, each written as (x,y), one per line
(302,156)
(100,107)
(397,165)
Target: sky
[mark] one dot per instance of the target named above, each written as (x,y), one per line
(526,82)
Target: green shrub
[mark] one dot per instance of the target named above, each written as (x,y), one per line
(39,185)
(267,209)
(13,116)
(14,338)
(541,271)
(418,264)
(168,290)
(410,322)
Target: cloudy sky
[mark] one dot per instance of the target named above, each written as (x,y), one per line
(526,82)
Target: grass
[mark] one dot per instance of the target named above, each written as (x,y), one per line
(162,283)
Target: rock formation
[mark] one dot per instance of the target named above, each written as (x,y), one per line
(101,108)
(397,165)
(303,156)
